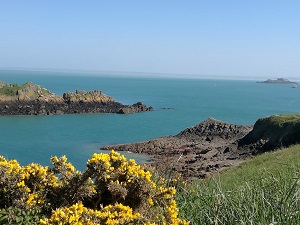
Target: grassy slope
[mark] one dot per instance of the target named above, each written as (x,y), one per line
(262,190)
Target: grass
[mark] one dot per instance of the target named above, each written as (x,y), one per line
(11,90)
(284,118)
(263,190)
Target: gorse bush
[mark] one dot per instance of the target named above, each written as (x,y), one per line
(111,190)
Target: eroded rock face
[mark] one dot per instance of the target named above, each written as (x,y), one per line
(32,99)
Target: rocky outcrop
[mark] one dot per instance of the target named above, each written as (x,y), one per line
(32,99)
(273,132)
(86,96)
(195,152)
(135,108)
(26,92)
(212,145)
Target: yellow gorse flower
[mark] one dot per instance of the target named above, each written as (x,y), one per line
(132,192)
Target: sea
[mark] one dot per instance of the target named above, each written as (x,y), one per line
(178,102)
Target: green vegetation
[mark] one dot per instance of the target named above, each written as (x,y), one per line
(284,118)
(263,190)
(111,190)
(12,89)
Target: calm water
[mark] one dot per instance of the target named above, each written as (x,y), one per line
(37,138)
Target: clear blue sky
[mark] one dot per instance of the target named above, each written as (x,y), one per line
(206,37)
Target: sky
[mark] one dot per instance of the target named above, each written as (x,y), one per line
(249,38)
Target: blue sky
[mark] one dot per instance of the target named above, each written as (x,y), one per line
(248,38)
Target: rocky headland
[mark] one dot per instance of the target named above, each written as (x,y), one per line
(32,99)
(210,146)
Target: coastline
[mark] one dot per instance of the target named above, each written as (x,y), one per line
(196,152)
(212,145)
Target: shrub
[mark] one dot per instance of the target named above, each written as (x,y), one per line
(111,190)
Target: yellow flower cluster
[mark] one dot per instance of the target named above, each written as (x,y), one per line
(9,167)
(110,191)
(115,166)
(80,215)
(167,193)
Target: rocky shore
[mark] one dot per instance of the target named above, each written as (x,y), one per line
(32,99)
(201,150)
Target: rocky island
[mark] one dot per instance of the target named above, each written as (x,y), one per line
(212,145)
(278,81)
(32,99)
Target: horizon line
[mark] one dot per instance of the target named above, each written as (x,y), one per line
(144,74)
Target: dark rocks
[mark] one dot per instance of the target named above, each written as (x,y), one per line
(197,151)
(210,146)
(135,108)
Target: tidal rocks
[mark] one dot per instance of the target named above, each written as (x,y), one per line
(197,151)
(212,145)
(32,99)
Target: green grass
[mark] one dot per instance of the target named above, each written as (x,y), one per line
(11,90)
(284,118)
(263,190)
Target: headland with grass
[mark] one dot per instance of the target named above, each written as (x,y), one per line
(32,99)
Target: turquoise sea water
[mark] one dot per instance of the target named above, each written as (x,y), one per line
(37,138)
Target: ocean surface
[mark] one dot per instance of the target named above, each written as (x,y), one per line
(178,103)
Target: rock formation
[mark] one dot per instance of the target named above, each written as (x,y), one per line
(32,99)
(273,132)
(195,152)
(212,145)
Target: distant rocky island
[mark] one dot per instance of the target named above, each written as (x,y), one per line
(32,99)
(278,81)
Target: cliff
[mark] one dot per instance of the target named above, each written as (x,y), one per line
(32,99)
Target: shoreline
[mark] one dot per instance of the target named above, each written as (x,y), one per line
(196,152)
(212,145)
